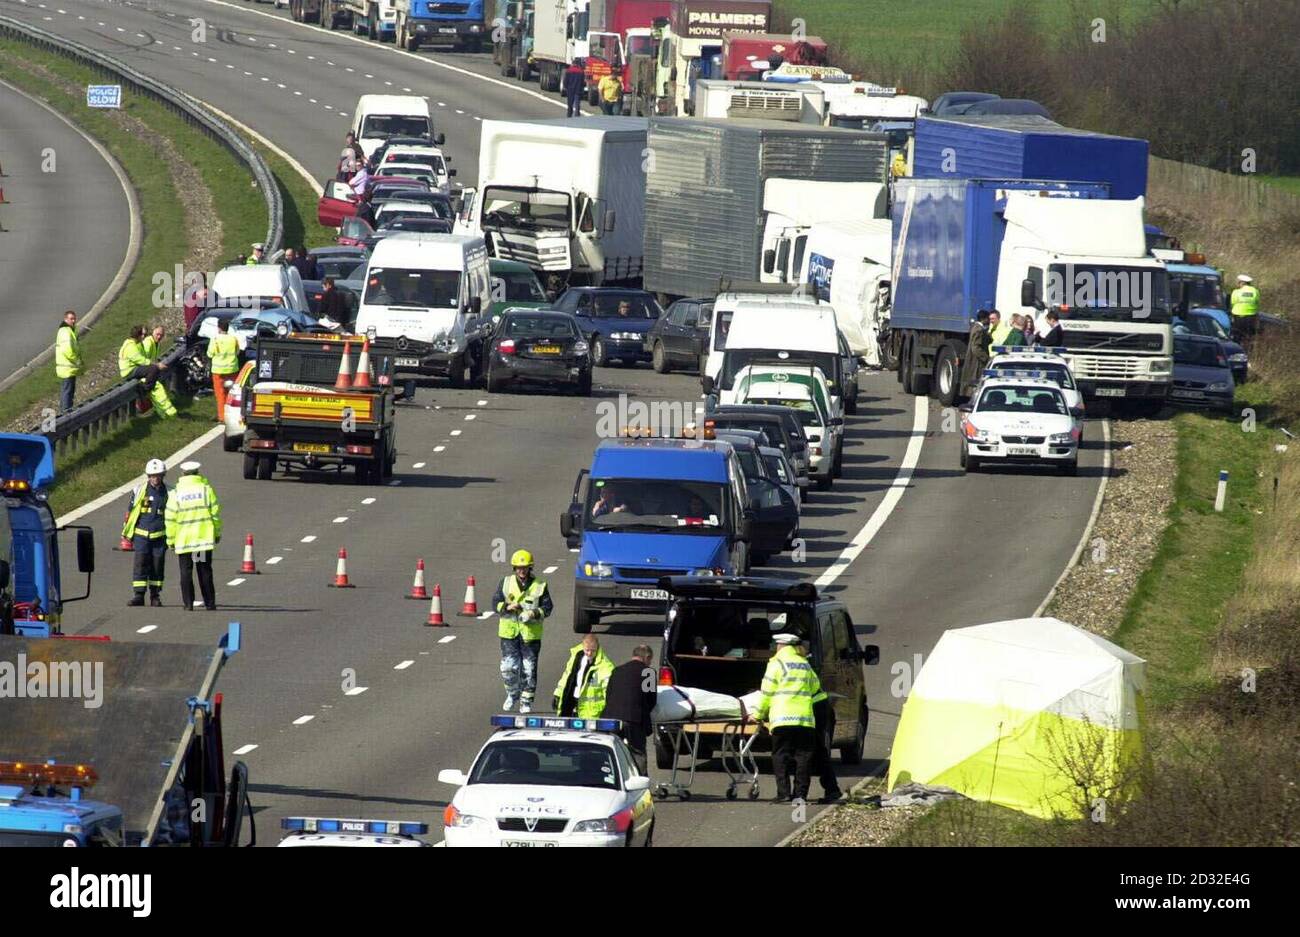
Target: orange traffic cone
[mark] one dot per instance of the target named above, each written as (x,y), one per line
(417,588)
(124,544)
(3,200)
(248,566)
(470,608)
(341,572)
(344,381)
(435,609)
(363,366)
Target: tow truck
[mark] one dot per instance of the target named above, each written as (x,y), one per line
(153,756)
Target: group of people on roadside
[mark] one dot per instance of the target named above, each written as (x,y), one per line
(991,329)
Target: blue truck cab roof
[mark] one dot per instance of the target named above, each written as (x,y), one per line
(669,459)
(22,812)
(1200,270)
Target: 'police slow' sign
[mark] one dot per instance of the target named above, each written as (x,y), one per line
(104,96)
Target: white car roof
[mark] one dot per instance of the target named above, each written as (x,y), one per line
(402,104)
(413,151)
(249,280)
(412,208)
(551,735)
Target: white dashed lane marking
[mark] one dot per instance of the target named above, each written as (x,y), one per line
(146,629)
(448,639)
(435,448)
(273,560)
(548,570)
(417,465)
(481,403)
(367,500)
(356,691)
(235,582)
(303,720)
(403,665)
(471,416)
(243,749)
(455,432)
(310,538)
(340,520)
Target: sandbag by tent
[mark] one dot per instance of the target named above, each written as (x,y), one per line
(999,711)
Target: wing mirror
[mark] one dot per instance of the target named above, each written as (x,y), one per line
(452,776)
(85,551)
(769,260)
(871,654)
(450,173)
(1029,294)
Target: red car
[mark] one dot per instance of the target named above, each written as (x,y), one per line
(337,202)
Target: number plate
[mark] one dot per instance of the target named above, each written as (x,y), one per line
(1110,392)
(447,29)
(546,349)
(1196,394)
(1022,450)
(650,594)
(312,447)
(407,363)
(527,842)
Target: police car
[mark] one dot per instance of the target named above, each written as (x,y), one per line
(334,831)
(1020,420)
(1013,361)
(550,781)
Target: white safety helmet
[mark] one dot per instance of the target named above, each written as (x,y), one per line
(155,467)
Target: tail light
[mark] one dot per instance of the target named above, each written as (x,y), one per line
(359,450)
(507,347)
(261,444)
(665,676)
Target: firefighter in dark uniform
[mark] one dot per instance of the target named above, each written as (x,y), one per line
(146,528)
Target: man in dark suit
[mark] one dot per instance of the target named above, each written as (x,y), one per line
(630,696)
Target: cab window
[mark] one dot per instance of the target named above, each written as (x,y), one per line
(826,631)
(843,632)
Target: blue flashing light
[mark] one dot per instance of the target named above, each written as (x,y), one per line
(342,825)
(557,722)
(1016,373)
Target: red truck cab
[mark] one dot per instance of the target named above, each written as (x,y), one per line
(618,30)
(746,56)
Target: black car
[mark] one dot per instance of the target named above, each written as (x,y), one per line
(537,346)
(680,338)
(718,637)
(335,261)
(779,425)
(773,532)
(615,321)
(1196,322)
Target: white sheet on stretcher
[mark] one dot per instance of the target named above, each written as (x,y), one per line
(688,704)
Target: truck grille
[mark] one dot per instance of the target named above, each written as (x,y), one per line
(517,825)
(647,572)
(1096,367)
(522,247)
(1024,440)
(767,104)
(1144,341)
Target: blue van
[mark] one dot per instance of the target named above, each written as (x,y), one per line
(649,508)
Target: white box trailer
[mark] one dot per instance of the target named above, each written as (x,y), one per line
(565,196)
(803,103)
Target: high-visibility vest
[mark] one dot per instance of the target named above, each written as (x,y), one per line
(591,694)
(999,334)
(67,353)
(150,348)
(789,685)
(148,516)
(193,516)
(1245,301)
(224,352)
(250,261)
(508,623)
(130,356)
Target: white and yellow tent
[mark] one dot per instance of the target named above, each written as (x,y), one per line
(1005,712)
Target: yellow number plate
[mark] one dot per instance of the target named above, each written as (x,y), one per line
(546,349)
(312,447)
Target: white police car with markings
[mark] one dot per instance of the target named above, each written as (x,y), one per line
(338,831)
(1015,361)
(550,781)
(1020,420)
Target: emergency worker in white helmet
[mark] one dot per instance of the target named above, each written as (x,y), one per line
(146,528)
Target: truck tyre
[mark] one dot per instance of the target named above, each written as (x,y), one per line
(903,367)
(361,474)
(583,620)
(947,375)
(659,359)
(917,382)
(250,466)
(413,43)
(888,352)
(851,752)
(265,468)
(665,757)
(598,358)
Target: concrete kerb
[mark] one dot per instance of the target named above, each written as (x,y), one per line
(134,243)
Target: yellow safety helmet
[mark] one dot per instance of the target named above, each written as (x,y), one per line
(521,558)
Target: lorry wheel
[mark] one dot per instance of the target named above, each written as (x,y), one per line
(903,367)
(583,620)
(947,376)
(593,97)
(265,468)
(665,757)
(917,382)
(413,43)
(888,354)
(659,359)
(851,754)
(361,475)
(584,385)
(598,358)
(250,466)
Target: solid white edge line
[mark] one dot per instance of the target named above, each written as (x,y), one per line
(1092,521)
(911,456)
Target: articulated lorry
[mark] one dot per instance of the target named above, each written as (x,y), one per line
(512,38)
(566,197)
(690,48)
(721,194)
(139,724)
(440,22)
(1024,246)
(617,31)
(559,38)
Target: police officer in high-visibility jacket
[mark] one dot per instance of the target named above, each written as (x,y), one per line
(821,765)
(789,686)
(522,603)
(193,531)
(1244,306)
(223,349)
(582,686)
(146,528)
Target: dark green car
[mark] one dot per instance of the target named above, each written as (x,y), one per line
(514,284)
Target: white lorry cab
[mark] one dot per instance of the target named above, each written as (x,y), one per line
(792,208)
(847,264)
(431,292)
(256,286)
(380,116)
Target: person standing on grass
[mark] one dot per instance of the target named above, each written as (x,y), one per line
(67,359)
(223,349)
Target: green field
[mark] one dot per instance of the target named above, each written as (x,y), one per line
(1290,183)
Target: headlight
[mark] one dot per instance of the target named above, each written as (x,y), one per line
(1239,358)
(706,571)
(974,433)
(1160,366)
(624,335)
(1061,439)
(606,825)
(464,820)
(1218,385)
(598,570)
(580,348)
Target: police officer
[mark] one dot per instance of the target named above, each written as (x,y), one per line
(256,257)
(1245,308)
(223,350)
(146,528)
(193,531)
(522,602)
(786,705)
(67,359)
(585,681)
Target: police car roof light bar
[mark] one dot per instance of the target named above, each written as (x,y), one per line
(1015,372)
(557,722)
(346,825)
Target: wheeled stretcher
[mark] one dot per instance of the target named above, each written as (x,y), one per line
(684,714)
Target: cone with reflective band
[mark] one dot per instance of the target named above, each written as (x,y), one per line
(125,543)
(344,381)
(248,567)
(435,609)
(417,588)
(470,607)
(362,378)
(341,572)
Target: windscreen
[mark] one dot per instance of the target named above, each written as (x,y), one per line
(1113,293)
(640,45)
(641,505)
(397,286)
(523,208)
(516,286)
(544,763)
(355,228)
(425,224)
(1202,354)
(432,160)
(1200,290)
(613,304)
(803,409)
(338,268)
(395,125)
(540,327)
(776,468)
(1044,400)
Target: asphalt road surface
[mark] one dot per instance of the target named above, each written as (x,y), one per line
(480,475)
(67,229)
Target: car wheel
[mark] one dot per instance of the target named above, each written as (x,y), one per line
(231,443)
(250,466)
(837,467)
(494,384)
(851,753)
(1070,468)
(971,464)
(583,619)
(598,358)
(265,467)
(659,359)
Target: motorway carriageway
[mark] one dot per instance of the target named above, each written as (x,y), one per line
(479,472)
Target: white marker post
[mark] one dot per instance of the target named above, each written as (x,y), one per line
(1223,492)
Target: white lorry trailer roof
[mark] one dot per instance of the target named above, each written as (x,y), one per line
(561,154)
(806,201)
(1102,228)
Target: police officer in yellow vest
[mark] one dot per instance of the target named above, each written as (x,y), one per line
(522,603)
(1244,308)
(146,528)
(789,687)
(223,349)
(67,359)
(193,531)
(582,686)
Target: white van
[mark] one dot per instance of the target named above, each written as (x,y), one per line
(380,116)
(254,286)
(432,293)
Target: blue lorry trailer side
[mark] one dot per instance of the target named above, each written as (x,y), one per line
(947,239)
(1026,147)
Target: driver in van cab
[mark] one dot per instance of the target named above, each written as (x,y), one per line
(608,502)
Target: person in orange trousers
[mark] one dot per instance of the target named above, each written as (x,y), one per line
(223,350)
